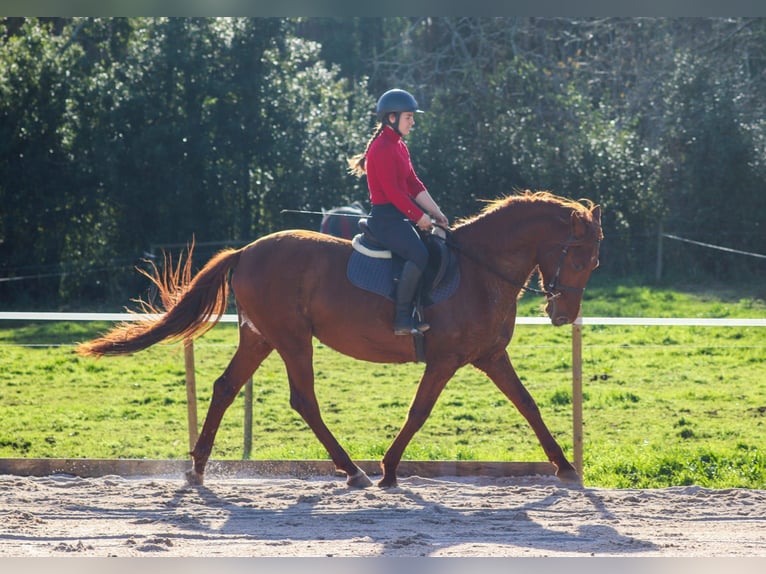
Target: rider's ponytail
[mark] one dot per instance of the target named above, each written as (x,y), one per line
(356,165)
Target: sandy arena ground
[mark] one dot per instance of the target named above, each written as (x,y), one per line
(62,515)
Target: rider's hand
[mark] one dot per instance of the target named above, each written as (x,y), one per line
(441,219)
(424,222)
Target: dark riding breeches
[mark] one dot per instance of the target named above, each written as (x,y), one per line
(397,233)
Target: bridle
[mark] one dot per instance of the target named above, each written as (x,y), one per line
(552,290)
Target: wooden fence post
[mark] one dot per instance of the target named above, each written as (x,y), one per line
(191,392)
(658,267)
(577,433)
(248,444)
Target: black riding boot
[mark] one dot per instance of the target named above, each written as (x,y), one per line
(404,322)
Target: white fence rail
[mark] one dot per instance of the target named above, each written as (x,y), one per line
(577,326)
(230,318)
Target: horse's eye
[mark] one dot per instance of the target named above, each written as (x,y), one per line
(577,267)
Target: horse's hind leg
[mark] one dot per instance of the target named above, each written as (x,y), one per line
(498,367)
(303,399)
(251,352)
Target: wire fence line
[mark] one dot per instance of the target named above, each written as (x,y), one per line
(711,246)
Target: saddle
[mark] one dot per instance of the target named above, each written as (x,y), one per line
(374,268)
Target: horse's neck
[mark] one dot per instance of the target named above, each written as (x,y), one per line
(506,241)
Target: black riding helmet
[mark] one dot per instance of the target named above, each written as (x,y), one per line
(395,101)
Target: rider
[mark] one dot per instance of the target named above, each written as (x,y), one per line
(399,199)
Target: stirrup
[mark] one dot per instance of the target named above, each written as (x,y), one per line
(412,329)
(413,326)
(418,323)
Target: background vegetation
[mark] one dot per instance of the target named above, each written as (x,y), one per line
(120,136)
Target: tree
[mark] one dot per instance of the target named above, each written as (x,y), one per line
(38,201)
(711,179)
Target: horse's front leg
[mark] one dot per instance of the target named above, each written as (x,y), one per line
(498,367)
(430,387)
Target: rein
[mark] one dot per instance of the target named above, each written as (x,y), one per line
(552,288)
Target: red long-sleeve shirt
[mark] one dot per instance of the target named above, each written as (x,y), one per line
(390,175)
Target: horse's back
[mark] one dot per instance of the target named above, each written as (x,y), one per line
(287,255)
(298,238)
(292,285)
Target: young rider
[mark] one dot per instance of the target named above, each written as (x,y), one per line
(399,199)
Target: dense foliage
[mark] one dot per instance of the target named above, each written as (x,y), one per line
(121,136)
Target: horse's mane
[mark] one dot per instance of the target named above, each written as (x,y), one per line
(527,197)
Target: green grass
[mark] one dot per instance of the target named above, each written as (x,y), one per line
(662,405)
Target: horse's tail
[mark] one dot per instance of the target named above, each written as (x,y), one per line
(193,307)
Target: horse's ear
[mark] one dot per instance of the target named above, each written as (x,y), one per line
(596,213)
(578,225)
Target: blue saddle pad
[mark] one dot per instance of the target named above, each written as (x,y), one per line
(377,276)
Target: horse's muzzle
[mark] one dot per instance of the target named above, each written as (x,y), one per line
(557,316)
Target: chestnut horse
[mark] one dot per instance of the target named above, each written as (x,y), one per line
(291,286)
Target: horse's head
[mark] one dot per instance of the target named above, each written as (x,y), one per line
(565,264)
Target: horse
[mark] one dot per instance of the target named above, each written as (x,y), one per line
(291,287)
(342,221)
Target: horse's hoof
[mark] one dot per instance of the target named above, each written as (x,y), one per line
(358,480)
(569,476)
(193,478)
(387,482)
